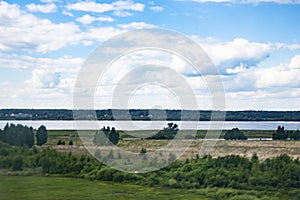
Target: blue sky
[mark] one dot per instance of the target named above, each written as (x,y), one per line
(255,45)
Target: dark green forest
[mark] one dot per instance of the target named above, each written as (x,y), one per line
(145,114)
(20,135)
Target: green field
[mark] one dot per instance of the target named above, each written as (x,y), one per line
(44,188)
(44,172)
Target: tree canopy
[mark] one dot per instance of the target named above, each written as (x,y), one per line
(41,135)
(280,134)
(168,133)
(17,135)
(105,136)
(235,134)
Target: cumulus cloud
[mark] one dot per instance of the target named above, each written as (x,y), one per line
(157,8)
(88,19)
(270,1)
(283,75)
(50,1)
(118,7)
(14,61)
(235,53)
(248,1)
(136,25)
(122,13)
(53,78)
(47,8)
(50,85)
(45,78)
(99,34)
(31,33)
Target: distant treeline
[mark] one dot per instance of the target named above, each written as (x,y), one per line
(145,114)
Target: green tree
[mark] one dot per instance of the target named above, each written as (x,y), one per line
(235,134)
(295,135)
(101,137)
(168,133)
(280,134)
(114,136)
(18,135)
(41,135)
(143,150)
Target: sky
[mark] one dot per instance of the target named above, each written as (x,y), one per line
(254,44)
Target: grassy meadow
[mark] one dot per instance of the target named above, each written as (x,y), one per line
(34,184)
(60,188)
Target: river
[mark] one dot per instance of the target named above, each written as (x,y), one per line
(156,125)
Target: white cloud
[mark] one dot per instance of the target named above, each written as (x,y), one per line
(270,1)
(157,8)
(122,13)
(238,52)
(282,46)
(99,34)
(248,1)
(87,19)
(283,75)
(45,78)
(15,61)
(136,25)
(50,1)
(117,6)
(50,85)
(33,34)
(67,13)
(47,8)
(54,77)
(216,1)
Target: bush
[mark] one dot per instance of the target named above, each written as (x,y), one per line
(17,164)
(61,142)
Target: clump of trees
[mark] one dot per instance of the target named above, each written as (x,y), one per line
(295,135)
(106,136)
(19,135)
(168,133)
(235,134)
(61,142)
(280,134)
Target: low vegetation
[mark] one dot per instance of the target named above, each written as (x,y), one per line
(37,188)
(211,177)
(233,171)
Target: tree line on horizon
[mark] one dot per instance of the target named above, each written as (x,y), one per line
(146,114)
